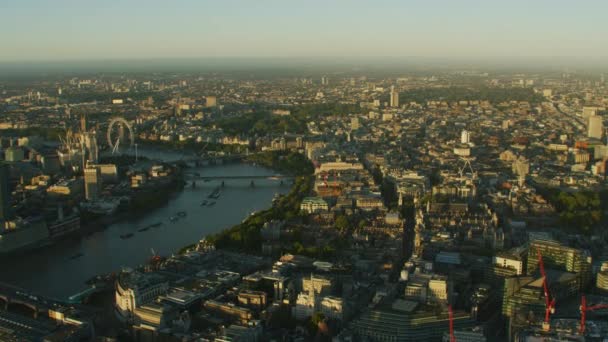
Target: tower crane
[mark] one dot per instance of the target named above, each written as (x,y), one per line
(584,309)
(549,303)
(451,317)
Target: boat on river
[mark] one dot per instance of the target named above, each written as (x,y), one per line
(215,194)
(76,256)
(148,227)
(126,236)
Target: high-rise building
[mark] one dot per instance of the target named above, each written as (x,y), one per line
(5,199)
(354,124)
(595,127)
(589,111)
(14,154)
(562,258)
(394,97)
(211,101)
(465,137)
(92,183)
(404,321)
(90,143)
(83,123)
(602,278)
(324,80)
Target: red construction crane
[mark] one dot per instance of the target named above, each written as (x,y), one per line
(451,317)
(549,304)
(584,309)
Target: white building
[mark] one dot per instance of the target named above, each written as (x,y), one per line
(338,166)
(134,289)
(439,289)
(465,137)
(313,205)
(507,261)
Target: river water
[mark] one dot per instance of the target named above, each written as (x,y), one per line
(53,272)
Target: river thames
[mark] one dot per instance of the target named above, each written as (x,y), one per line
(60,270)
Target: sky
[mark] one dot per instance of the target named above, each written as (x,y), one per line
(41,30)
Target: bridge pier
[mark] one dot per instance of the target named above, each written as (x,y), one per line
(252,184)
(223,184)
(281,182)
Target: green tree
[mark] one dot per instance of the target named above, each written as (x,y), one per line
(342,223)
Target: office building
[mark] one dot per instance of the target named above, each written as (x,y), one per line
(354,124)
(5,199)
(602,278)
(510,261)
(465,137)
(211,101)
(92,183)
(562,258)
(318,284)
(92,150)
(394,97)
(439,289)
(406,323)
(595,128)
(109,172)
(313,205)
(134,289)
(589,112)
(332,307)
(83,124)
(14,154)
(305,306)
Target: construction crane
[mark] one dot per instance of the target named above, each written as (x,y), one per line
(451,317)
(584,309)
(549,304)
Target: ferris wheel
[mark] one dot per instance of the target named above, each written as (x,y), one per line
(120,133)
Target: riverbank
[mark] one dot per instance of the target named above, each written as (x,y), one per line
(246,236)
(62,269)
(142,201)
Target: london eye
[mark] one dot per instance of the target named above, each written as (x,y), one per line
(120,134)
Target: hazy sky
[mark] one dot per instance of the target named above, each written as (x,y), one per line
(100,29)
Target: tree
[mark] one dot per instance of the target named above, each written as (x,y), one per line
(342,223)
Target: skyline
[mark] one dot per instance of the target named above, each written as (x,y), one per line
(269,170)
(35,30)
